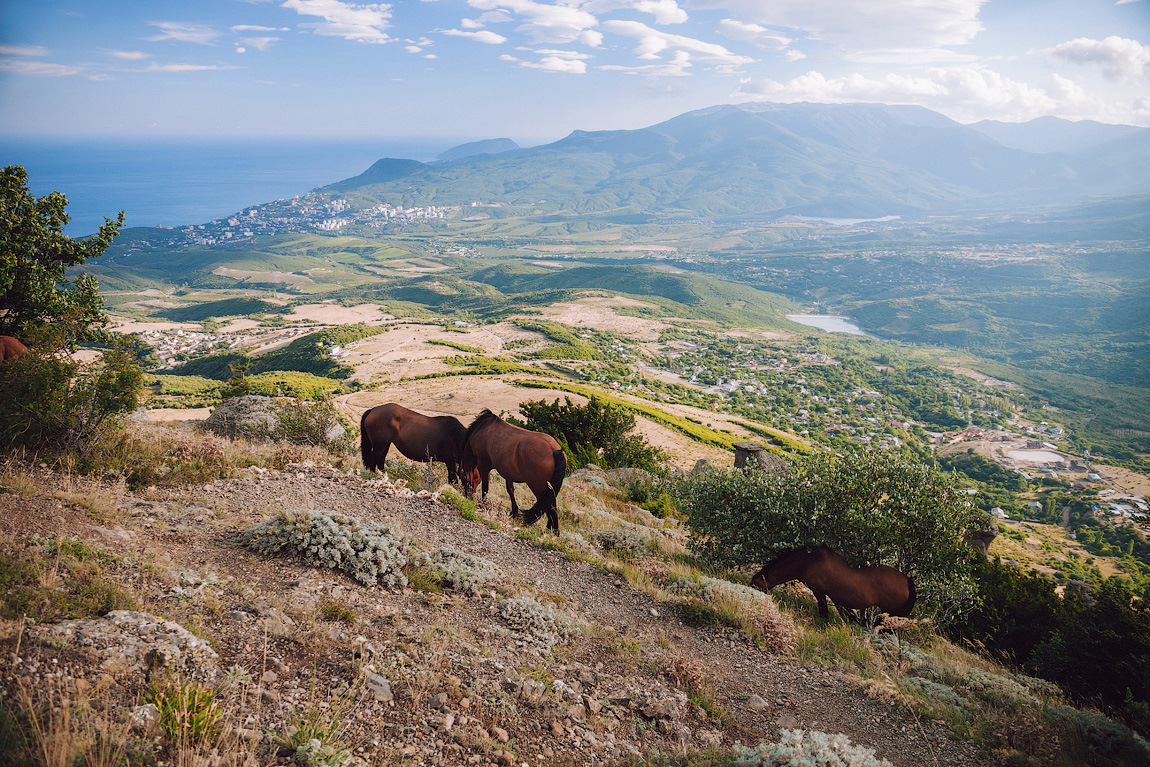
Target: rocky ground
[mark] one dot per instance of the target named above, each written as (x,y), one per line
(406,676)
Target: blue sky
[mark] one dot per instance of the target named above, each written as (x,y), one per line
(535,70)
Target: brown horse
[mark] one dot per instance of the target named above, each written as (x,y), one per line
(10,348)
(519,455)
(419,437)
(827,573)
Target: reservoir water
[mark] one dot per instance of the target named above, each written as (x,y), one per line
(828,322)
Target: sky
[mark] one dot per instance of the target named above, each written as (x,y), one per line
(534,71)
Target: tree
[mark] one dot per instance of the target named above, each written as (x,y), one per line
(51,402)
(34,256)
(873,507)
(593,433)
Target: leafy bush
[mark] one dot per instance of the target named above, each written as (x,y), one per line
(55,404)
(1015,611)
(874,508)
(593,433)
(1102,653)
(315,423)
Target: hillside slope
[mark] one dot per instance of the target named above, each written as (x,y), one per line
(463,682)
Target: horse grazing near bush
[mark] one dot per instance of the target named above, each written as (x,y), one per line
(827,573)
(419,437)
(519,455)
(10,348)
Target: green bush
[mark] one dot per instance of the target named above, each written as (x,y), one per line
(1102,653)
(58,405)
(593,433)
(873,507)
(1015,611)
(313,423)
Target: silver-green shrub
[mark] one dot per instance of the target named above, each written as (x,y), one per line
(808,748)
(462,571)
(713,589)
(370,554)
(540,624)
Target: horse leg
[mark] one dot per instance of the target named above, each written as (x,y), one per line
(821,598)
(511,495)
(486,477)
(553,517)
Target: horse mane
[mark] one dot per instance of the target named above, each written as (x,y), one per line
(480,421)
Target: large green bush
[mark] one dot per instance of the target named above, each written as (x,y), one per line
(59,405)
(873,507)
(1102,653)
(593,433)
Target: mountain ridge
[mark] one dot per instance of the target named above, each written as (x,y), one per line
(739,160)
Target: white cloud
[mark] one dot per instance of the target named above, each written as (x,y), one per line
(793,56)
(470,24)
(181,32)
(130,55)
(591,38)
(38,68)
(1119,57)
(855,25)
(259,43)
(557,64)
(677,67)
(255,28)
(753,33)
(964,93)
(413,49)
(653,42)
(544,23)
(191,68)
(910,56)
(23,50)
(481,36)
(664,11)
(361,23)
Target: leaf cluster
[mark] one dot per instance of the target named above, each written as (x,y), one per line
(875,508)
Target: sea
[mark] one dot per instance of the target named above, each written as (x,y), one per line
(178,181)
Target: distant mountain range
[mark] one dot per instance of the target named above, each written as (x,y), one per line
(767,160)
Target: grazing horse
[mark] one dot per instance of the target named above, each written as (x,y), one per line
(419,437)
(10,348)
(826,572)
(519,455)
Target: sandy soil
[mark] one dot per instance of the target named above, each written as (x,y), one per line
(128,325)
(179,414)
(239,325)
(334,314)
(598,313)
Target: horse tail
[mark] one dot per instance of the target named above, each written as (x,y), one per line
(560,470)
(365,448)
(904,611)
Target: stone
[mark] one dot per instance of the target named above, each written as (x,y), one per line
(756,704)
(500,734)
(380,687)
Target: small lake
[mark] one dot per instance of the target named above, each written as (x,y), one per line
(828,322)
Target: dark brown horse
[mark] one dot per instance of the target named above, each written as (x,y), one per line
(519,455)
(10,348)
(419,437)
(827,573)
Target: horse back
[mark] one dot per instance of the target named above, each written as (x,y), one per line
(11,348)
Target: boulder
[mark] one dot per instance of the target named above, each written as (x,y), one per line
(250,416)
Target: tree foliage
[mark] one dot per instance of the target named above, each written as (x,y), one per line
(593,433)
(875,508)
(34,257)
(51,402)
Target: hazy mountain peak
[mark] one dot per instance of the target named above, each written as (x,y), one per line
(475,148)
